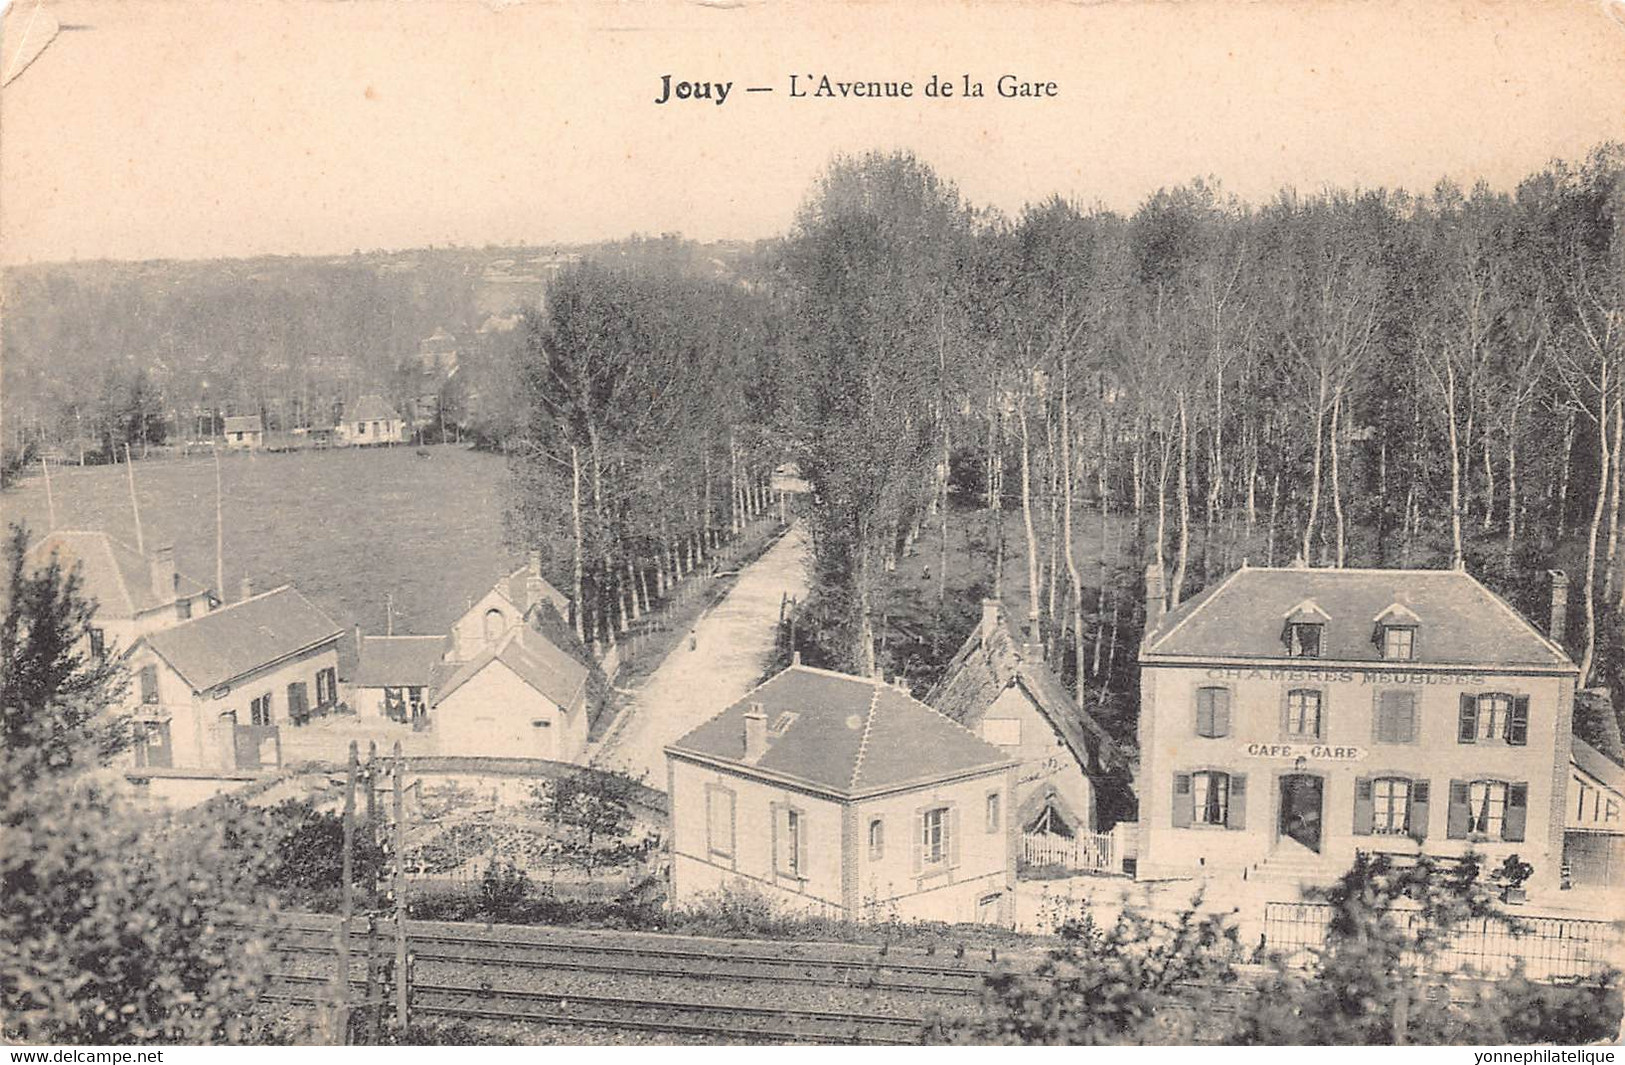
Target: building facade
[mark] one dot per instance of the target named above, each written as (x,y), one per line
(520,697)
(371,421)
(1003,690)
(1292,717)
(133,594)
(213,693)
(843,796)
(395,676)
(245,432)
(1594,820)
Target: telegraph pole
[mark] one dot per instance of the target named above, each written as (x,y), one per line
(129,468)
(50,500)
(341,1009)
(402,975)
(373,999)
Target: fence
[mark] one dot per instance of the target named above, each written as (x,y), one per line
(1549,948)
(1084,852)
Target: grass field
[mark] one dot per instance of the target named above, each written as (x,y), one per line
(348,527)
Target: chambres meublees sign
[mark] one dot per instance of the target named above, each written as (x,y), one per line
(1347,676)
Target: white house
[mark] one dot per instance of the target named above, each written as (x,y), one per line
(511,601)
(394,676)
(245,432)
(518,697)
(133,594)
(1290,718)
(213,693)
(844,796)
(1005,692)
(371,421)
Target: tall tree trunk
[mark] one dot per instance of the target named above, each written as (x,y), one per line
(1456,554)
(578,576)
(1604,463)
(1563,478)
(1314,472)
(1032,631)
(1074,580)
(1613,500)
(1337,479)
(1182,560)
(1512,489)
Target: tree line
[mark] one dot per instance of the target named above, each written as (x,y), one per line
(1363,377)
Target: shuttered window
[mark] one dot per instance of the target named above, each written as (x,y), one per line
(149,685)
(1396,717)
(1303,714)
(719,821)
(1493,716)
(1210,802)
(934,838)
(1391,804)
(1488,809)
(1213,712)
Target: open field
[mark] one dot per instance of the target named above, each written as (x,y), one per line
(348,527)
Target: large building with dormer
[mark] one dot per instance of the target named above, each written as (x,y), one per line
(1292,717)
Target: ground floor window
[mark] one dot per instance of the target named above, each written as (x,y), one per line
(1486,806)
(719,821)
(934,835)
(259,711)
(1210,798)
(1391,802)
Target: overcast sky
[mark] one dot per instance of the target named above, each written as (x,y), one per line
(197,129)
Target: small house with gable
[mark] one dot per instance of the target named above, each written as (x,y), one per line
(214,692)
(244,432)
(371,421)
(843,796)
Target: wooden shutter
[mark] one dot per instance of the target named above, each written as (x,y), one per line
(1221,712)
(149,684)
(1237,814)
(801,845)
(1467,721)
(1365,808)
(1518,722)
(1460,817)
(1182,800)
(1204,712)
(1405,726)
(919,839)
(1417,817)
(776,838)
(1517,813)
(953,835)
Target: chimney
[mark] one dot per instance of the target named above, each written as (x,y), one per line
(990,616)
(1156,596)
(755,732)
(247,588)
(163,575)
(1557,625)
(358,644)
(795,658)
(533,563)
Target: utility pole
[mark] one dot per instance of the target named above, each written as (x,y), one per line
(341,1009)
(220,538)
(389,613)
(402,973)
(374,990)
(140,545)
(50,500)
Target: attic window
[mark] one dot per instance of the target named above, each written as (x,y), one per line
(1303,639)
(1399,643)
(784,721)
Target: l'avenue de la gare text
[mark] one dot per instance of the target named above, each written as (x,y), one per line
(674,88)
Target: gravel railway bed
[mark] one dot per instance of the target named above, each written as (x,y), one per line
(877,973)
(703,1019)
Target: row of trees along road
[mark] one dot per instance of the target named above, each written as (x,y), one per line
(648,395)
(1343,378)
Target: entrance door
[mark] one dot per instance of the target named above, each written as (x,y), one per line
(1300,809)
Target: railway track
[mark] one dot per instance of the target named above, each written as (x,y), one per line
(820,993)
(755,1024)
(879,973)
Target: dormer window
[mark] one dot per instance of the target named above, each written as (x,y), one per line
(1303,639)
(1305,630)
(1395,633)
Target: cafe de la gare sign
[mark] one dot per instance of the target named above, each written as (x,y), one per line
(1309,752)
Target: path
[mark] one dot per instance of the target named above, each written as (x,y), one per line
(733,642)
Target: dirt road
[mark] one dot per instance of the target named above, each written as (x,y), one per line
(731,646)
